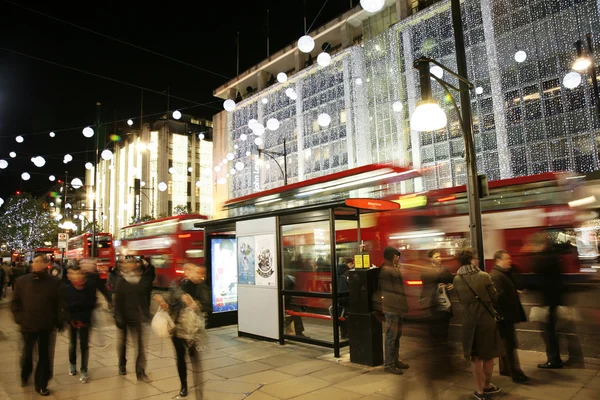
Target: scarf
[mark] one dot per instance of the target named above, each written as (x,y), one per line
(468,270)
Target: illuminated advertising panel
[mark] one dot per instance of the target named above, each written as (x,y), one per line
(224,274)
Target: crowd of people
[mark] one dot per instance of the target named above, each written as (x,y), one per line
(491,307)
(47,300)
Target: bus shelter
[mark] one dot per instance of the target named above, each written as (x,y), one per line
(287,264)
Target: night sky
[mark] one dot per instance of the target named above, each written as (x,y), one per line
(37,97)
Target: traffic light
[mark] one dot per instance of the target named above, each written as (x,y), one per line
(18,192)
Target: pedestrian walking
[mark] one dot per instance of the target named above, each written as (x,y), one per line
(481,339)
(149,275)
(394,306)
(188,301)
(510,308)
(437,280)
(37,309)
(130,299)
(80,300)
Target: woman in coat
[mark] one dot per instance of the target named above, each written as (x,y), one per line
(481,338)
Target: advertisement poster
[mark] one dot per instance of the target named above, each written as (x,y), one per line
(224,274)
(245,260)
(265,260)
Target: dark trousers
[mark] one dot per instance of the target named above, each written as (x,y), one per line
(439,327)
(42,370)
(393,333)
(137,339)
(101,286)
(84,340)
(551,338)
(181,347)
(509,364)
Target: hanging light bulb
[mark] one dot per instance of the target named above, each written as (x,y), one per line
(51,178)
(372,6)
(130,122)
(239,165)
(397,106)
(520,56)
(282,77)
(264,100)
(25,176)
(251,123)
(324,119)
(19,139)
(39,161)
(12,154)
(68,158)
(243,136)
(52,134)
(3,164)
(248,154)
(171,170)
(259,129)
(201,136)
(176,114)
(76,183)
(306,44)
(190,169)
(479,90)
(437,71)
(106,155)
(162,186)
(358,81)
(217,168)
(273,124)
(229,105)
(198,184)
(258,141)
(88,132)
(572,80)
(324,59)
(230,156)
(89,165)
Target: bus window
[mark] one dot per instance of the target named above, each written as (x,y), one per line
(188,225)
(102,242)
(194,253)
(159,261)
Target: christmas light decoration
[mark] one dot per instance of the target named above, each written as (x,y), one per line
(572,80)
(229,105)
(273,124)
(176,114)
(88,132)
(130,122)
(306,44)
(19,139)
(89,165)
(52,134)
(106,155)
(201,136)
(243,136)
(324,119)
(68,158)
(264,100)
(76,183)
(397,106)
(324,59)
(52,178)
(239,165)
(39,161)
(162,186)
(282,77)
(3,164)
(372,6)
(12,154)
(25,176)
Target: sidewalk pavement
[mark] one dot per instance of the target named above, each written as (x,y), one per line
(239,368)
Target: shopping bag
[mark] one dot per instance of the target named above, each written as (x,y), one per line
(162,324)
(538,314)
(442,299)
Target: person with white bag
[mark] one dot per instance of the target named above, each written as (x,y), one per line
(437,281)
(188,301)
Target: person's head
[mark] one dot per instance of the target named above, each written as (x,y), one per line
(349,261)
(39,264)
(435,257)
(539,242)
(194,272)
(502,259)
(54,272)
(465,255)
(129,266)
(75,274)
(392,255)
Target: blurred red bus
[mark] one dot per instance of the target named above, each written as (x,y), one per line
(167,243)
(51,253)
(80,247)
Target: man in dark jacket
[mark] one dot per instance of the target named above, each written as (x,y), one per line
(394,306)
(36,307)
(131,292)
(149,275)
(510,308)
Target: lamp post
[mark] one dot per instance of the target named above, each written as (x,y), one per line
(428,116)
(94,193)
(584,62)
(273,154)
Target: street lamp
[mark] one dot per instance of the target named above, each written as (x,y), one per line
(429,116)
(584,61)
(272,155)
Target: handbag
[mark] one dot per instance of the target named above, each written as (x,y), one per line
(497,317)
(442,299)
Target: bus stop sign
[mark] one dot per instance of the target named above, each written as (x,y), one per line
(372,204)
(63,239)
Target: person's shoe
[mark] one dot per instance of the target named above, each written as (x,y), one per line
(43,392)
(122,370)
(142,377)
(72,369)
(492,389)
(183,392)
(520,378)
(551,365)
(393,370)
(401,365)
(481,396)
(84,378)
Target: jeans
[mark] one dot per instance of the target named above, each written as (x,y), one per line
(42,370)
(181,346)
(136,335)
(393,333)
(84,340)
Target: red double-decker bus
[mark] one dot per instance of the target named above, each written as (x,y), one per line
(167,243)
(80,247)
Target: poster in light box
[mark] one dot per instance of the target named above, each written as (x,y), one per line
(265,260)
(224,274)
(246,255)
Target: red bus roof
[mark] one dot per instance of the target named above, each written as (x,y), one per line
(175,217)
(89,234)
(372,170)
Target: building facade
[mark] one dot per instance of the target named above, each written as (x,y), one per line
(356,110)
(162,170)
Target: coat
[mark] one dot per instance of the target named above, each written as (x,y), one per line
(36,304)
(481,337)
(548,266)
(79,303)
(509,304)
(130,301)
(431,278)
(392,290)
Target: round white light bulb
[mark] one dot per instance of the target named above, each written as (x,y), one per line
(239,165)
(12,154)
(76,183)
(243,136)
(190,169)
(324,119)
(264,100)
(372,6)
(358,81)
(289,92)
(293,96)
(248,154)
(229,105)
(171,170)
(89,165)
(201,136)
(130,122)
(1,201)
(520,56)
(19,139)
(230,156)
(52,134)
(572,80)
(106,155)
(259,129)
(306,44)
(52,178)
(258,141)
(232,171)
(198,184)
(142,183)
(162,186)
(39,161)
(176,114)
(281,77)
(397,106)
(88,132)
(251,123)
(3,164)
(68,158)
(324,59)
(479,90)
(273,124)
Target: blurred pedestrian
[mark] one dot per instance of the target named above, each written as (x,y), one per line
(343,287)
(130,299)
(2,282)
(394,306)
(188,302)
(149,275)
(481,338)
(80,301)
(546,263)
(510,308)
(37,309)
(437,280)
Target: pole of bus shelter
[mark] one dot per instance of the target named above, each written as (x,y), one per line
(95,188)
(475,226)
